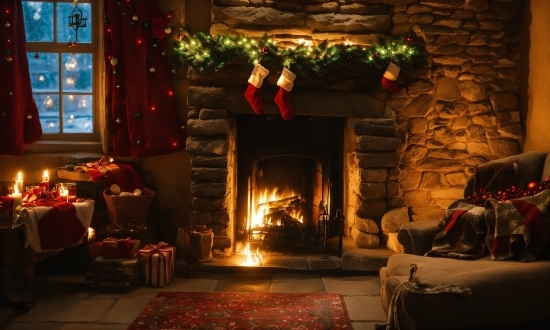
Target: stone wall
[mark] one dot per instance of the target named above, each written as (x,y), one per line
(458,111)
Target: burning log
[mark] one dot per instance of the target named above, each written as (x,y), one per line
(281,203)
(288,221)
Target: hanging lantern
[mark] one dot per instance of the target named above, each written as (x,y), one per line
(76,20)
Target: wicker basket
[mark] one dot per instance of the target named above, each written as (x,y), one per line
(128,210)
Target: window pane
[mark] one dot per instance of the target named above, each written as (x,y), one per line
(48,109)
(77,114)
(38,18)
(44,72)
(77,72)
(66,33)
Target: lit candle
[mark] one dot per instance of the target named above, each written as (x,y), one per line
(17,196)
(19,183)
(45,183)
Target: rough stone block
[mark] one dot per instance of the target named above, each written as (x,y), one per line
(349,22)
(394,219)
(207,127)
(206,97)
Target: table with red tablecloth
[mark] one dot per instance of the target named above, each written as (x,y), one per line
(52,226)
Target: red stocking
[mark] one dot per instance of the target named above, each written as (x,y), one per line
(390,76)
(282,101)
(252,93)
(285,82)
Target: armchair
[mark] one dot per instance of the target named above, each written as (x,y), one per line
(421,292)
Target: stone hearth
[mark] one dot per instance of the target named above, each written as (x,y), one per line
(410,151)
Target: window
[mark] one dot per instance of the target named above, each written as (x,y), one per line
(63,65)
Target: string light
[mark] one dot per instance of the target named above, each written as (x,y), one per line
(205,52)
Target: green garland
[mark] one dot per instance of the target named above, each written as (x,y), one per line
(205,52)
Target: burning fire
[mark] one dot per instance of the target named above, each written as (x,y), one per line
(251,259)
(266,203)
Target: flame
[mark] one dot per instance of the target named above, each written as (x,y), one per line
(251,259)
(260,207)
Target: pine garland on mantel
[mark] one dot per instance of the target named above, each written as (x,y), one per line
(204,52)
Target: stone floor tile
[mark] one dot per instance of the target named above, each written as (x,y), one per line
(190,285)
(125,310)
(365,308)
(33,325)
(141,292)
(298,286)
(67,310)
(286,277)
(365,325)
(352,285)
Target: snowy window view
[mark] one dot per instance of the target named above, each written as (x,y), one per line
(60,65)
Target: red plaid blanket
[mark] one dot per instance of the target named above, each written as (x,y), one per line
(516,228)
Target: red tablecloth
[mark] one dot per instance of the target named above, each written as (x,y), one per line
(55,226)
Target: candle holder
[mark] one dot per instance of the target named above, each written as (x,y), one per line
(66,192)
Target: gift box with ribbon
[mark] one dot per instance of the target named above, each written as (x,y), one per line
(119,248)
(195,243)
(158,263)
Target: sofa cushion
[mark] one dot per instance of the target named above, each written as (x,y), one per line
(486,291)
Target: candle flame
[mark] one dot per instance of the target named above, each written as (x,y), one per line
(46,173)
(19,176)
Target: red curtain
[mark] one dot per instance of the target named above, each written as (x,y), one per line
(19,121)
(142,114)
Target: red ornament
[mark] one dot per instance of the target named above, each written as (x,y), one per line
(409,39)
(374,56)
(265,50)
(532,185)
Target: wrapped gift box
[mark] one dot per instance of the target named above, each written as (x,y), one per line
(158,263)
(119,248)
(195,243)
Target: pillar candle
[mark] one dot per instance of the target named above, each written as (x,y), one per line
(18,188)
(45,183)
(17,196)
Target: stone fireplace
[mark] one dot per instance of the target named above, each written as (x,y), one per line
(375,151)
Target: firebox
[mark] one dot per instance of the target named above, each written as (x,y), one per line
(288,174)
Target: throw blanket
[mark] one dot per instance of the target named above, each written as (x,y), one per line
(513,228)
(57,225)
(461,233)
(122,174)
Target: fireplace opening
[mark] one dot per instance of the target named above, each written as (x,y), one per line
(288,174)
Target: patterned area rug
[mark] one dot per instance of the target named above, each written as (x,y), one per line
(243,310)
